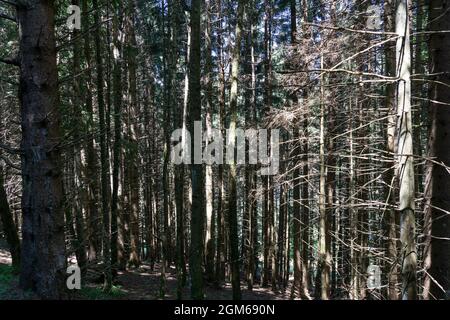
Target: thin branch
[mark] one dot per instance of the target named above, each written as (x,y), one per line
(351,30)
(5,16)
(11,3)
(9,163)
(356,73)
(10,150)
(14,61)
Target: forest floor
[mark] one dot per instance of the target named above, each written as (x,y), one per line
(135,284)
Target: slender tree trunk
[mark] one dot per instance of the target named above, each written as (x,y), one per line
(389,223)
(437,222)
(133,135)
(210,232)
(117,146)
(220,243)
(232,193)
(94,219)
(197,176)
(104,163)
(304,187)
(405,155)
(79,191)
(324,250)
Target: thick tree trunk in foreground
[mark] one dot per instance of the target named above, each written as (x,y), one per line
(43,252)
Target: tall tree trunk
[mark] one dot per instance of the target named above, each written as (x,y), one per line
(133,135)
(197,176)
(43,253)
(210,231)
(324,250)
(180,117)
(296,286)
(304,187)
(104,163)
(80,194)
(94,220)
(232,193)
(405,154)
(390,221)
(437,254)
(117,147)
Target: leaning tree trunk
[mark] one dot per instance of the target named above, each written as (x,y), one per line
(43,252)
(437,255)
(405,165)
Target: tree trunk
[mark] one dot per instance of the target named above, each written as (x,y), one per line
(405,155)
(104,163)
(43,252)
(437,254)
(210,232)
(389,223)
(133,135)
(94,219)
(197,176)
(232,193)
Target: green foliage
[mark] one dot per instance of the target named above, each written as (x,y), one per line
(97,293)
(6,277)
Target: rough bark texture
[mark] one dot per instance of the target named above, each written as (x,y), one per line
(43,252)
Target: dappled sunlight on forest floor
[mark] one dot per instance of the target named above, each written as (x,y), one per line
(142,283)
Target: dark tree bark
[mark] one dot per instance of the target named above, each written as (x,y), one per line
(437,223)
(197,175)
(390,222)
(106,234)
(94,219)
(43,253)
